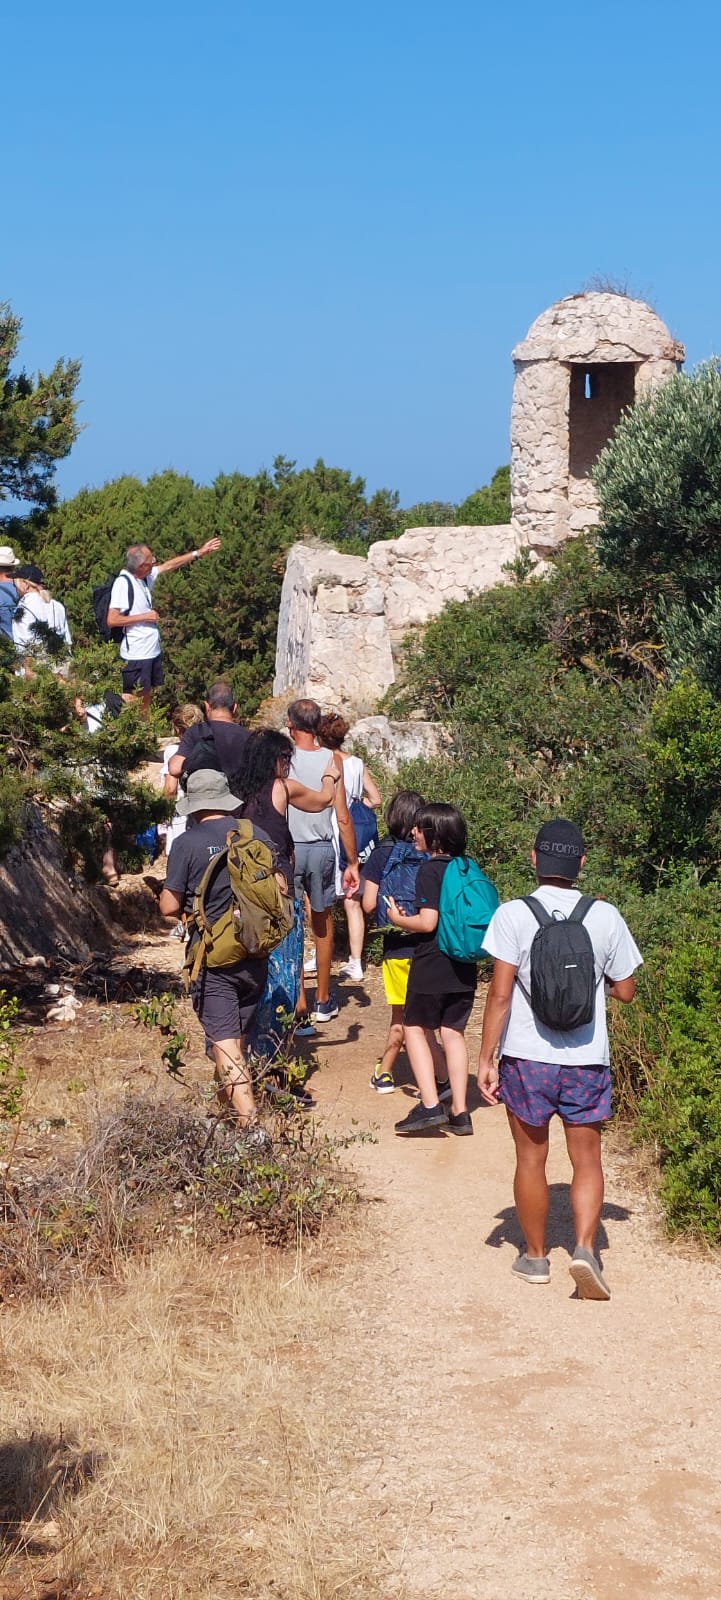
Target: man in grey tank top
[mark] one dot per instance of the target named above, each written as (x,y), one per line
(312,836)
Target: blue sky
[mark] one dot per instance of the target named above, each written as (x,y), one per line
(318,230)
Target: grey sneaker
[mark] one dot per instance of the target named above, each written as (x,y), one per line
(587,1276)
(533,1269)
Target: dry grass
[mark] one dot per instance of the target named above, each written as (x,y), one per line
(201,1465)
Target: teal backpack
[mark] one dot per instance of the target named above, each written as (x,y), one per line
(467,903)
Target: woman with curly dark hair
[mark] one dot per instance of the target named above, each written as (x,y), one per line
(267,791)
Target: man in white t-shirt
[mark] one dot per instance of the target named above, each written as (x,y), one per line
(131,608)
(543,1072)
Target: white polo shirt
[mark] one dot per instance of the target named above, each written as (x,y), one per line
(510,934)
(142,642)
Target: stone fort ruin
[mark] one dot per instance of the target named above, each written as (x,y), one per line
(583,362)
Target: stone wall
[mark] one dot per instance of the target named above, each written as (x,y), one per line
(341,616)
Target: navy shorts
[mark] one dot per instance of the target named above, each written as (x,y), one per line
(537,1090)
(225,999)
(143,675)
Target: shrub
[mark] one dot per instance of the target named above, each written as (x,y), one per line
(154,1169)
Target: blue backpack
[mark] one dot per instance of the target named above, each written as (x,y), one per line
(467,902)
(398,879)
(365,826)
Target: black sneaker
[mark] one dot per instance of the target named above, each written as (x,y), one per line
(443,1090)
(460,1122)
(423,1117)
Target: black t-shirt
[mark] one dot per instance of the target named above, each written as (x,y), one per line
(433,972)
(397,946)
(229,740)
(190,854)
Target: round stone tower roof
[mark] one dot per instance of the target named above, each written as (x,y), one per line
(597,327)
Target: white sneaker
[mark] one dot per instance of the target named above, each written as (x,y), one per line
(353,970)
(310,967)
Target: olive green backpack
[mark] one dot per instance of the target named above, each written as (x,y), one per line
(259,915)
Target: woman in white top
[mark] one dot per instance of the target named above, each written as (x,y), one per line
(184,718)
(36,616)
(359,785)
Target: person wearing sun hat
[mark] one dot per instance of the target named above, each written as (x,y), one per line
(225,999)
(545,1071)
(8,593)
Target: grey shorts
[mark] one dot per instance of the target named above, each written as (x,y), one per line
(315,874)
(225,999)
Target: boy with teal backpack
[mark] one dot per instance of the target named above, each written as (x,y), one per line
(454,904)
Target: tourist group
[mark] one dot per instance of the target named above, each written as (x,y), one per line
(271,827)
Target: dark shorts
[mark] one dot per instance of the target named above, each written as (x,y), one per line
(537,1090)
(225,999)
(438,1010)
(144,675)
(315,874)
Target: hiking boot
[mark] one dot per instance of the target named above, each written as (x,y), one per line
(353,970)
(460,1122)
(325,1011)
(587,1276)
(421,1118)
(381,1081)
(533,1269)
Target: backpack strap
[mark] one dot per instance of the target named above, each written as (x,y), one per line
(540,913)
(582,908)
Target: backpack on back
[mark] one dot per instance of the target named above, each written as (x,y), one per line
(203,757)
(468,900)
(563,971)
(259,915)
(398,880)
(365,826)
(101,606)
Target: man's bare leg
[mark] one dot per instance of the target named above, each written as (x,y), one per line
(235,1086)
(584,1151)
(322,925)
(530,1189)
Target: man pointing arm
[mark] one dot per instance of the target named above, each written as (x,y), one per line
(131,608)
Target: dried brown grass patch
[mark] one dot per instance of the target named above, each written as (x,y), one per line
(193,1390)
(154,1169)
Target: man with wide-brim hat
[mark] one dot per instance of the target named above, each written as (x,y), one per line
(224,999)
(8,593)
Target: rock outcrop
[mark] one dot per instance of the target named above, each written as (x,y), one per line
(341,616)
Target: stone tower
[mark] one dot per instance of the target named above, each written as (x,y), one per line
(582,363)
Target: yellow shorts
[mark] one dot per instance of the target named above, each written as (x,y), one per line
(395,979)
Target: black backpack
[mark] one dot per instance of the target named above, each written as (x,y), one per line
(563,973)
(101,605)
(203,757)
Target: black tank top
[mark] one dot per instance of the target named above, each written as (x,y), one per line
(262,813)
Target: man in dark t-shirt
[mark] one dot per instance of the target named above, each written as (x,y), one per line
(224,998)
(220,737)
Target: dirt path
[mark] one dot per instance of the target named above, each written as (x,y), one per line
(514,1441)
